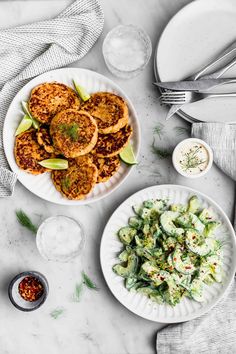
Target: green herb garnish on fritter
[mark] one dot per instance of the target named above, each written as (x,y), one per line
(71,130)
(66,183)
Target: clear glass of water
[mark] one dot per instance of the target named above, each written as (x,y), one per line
(60,238)
(126,50)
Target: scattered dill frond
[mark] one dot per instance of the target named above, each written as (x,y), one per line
(159,130)
(70,130)
(78,292)
(88,282)
(162,153)
(57,313)
(25,221)
(182,130)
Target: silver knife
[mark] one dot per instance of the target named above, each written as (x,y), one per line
(197,85)
(199,75)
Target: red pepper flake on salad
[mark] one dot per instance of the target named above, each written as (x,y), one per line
(30,288)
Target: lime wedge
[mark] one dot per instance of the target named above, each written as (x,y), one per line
(26,111)
(54,164)
(24,125)
(83,94)
(127,155)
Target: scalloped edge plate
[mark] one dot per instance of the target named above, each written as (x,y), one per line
(139,304)
(41,185)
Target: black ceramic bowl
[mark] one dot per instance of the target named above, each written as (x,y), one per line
(16,298)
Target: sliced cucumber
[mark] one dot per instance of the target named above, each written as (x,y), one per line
(179,208)
(206,216)
(158,205)
(130,282)
(194,204)
(211,227)
(183,266)
(183,280)
(131,268)
(146,290)
(123,256)
(144,252)
(135,222)
(196,290)
(126,234)
(154,273)
(197,244)
(174,293)
(190,220)
(215,266)
(137,209)
(166,220)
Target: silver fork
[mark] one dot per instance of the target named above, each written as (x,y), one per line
(183,97)
(215,75)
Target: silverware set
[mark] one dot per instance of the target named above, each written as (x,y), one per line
(192,89)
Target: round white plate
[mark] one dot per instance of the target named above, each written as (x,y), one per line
(139,304)
(192,38)
(41,185)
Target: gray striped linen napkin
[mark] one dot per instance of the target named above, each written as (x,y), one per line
(214,332)
(29,50)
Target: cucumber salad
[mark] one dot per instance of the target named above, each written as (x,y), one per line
(170,251)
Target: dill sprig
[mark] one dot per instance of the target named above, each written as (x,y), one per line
(88,282)
(162,153)
(159,130)
(192,160)
(57,313)
(66,182)
(78,292)
(182,131)
(25,221)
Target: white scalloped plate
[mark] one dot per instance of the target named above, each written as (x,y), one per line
(191,39)
(139,304)
(42,185)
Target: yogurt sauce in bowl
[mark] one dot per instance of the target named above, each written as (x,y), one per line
(192,158)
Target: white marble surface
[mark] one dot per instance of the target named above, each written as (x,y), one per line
(98,323)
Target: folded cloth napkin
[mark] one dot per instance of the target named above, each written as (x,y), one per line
(29,50)
(214,332)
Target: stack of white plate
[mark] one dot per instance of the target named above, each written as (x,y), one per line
(192,38)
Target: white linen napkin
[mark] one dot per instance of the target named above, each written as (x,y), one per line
(214,332)
(29,50)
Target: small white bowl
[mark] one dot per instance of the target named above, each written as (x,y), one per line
(180,145)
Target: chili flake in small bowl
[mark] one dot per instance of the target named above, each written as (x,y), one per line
(31,288)
(28,290)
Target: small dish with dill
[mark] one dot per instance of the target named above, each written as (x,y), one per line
(192,158)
